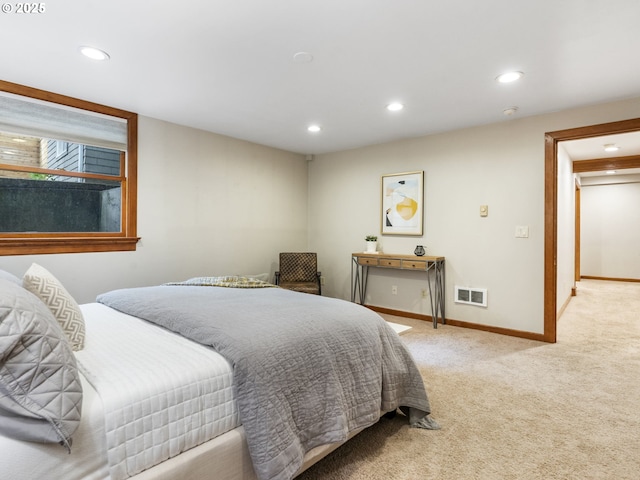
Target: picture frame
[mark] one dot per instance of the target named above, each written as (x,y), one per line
(402,199)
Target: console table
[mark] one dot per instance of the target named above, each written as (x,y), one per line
(433,266)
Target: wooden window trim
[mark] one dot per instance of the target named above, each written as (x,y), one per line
(49,243)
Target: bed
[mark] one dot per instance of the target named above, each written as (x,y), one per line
(169,390)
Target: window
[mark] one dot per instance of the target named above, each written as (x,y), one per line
(68,171)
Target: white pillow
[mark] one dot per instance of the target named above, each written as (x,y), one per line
(48,288)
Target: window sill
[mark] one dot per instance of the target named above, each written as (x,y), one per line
(37,246)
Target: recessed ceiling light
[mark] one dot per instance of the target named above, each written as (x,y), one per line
(509,77)
(314,128)
(395,107)
(94,53)
(610,172)
(610,147)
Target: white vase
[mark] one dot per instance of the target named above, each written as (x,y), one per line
(371,246)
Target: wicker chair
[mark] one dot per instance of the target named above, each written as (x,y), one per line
(299,272)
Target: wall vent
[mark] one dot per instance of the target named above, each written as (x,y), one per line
(471,296)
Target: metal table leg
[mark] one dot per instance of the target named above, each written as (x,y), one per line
(359,281)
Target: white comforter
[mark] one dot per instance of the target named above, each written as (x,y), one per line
(155,406)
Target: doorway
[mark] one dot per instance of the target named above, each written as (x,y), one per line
(551,205)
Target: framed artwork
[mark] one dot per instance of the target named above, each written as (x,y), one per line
(402,203)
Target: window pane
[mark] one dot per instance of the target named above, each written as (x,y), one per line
(33,152)
(54,204)
(73,188)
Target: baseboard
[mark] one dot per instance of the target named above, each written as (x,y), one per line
(589,277)
(400,313)
(565,304)
(457,323)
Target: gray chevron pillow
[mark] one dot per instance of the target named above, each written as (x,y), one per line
(39,281)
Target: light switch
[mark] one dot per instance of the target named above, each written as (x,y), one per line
(484,210)
(522,232)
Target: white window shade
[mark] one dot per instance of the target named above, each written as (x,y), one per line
(35,118)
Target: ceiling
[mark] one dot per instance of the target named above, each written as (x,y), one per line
(590,148)
(593,148)
(230,66)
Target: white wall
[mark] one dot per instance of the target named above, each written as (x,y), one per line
(207,205)
(566,228)
(500,165)
(610,231)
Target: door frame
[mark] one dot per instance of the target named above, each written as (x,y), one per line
(551,208)
(576,277)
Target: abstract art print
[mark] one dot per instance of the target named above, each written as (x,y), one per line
(402,203)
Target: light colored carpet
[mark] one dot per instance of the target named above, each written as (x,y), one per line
(517,409)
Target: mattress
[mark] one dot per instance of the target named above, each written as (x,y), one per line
(188,390)
(139,408)
(156,406)
(37,461)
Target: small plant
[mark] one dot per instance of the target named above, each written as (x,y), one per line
(371,238)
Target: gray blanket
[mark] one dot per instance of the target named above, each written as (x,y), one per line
(308,369)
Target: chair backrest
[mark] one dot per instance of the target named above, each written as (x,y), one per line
(298,266)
